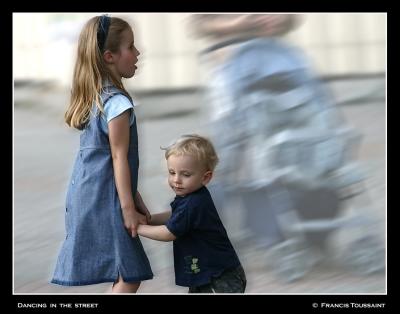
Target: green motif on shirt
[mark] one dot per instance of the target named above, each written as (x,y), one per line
(194,267)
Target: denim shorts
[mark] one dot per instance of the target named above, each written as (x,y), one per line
(230,281)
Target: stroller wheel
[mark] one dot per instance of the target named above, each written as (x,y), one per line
(365,256)
(291,259)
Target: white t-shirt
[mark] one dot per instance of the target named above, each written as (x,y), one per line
(114,107)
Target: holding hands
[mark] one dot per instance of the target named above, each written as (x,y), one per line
(141,207)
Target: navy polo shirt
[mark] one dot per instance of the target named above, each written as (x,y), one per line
(202,249)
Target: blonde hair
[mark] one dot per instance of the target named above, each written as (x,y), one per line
(90,70)
(194,145)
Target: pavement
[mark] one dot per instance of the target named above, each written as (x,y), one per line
(44,150)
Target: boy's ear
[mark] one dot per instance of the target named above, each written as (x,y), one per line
(108,56)
(207,177)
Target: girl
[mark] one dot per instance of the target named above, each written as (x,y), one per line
(103,206)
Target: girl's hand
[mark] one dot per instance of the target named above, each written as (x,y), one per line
(132,219)
(141,207)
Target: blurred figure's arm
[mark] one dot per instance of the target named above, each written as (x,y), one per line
(273,24)
(216,25)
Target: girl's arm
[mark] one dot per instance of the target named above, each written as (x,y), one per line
(141,206)
(159,233)
(119,142)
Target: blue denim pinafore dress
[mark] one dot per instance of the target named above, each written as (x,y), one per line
(97,247)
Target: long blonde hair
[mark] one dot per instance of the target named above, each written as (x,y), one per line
(90,70)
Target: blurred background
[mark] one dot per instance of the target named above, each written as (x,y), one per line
(346,54)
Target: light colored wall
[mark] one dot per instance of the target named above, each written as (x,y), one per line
(343,43)
(44,46)
(169,53)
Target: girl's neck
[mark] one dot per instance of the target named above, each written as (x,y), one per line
(109,82)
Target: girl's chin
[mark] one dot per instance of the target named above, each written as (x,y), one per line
(129,75)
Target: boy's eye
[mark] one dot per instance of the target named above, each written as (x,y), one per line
(186,174)
(171,172)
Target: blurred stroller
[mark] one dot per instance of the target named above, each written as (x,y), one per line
(287,153)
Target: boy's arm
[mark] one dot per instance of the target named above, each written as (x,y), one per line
(159,233)
(159,218)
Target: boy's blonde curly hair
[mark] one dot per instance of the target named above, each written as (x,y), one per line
(194,145)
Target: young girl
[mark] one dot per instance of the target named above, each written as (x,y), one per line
(204,258)
(103,205)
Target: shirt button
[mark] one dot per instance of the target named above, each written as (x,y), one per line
(73,182)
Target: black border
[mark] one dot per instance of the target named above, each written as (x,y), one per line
(264,303)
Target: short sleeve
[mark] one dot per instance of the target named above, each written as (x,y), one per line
(114,107)
(179,222)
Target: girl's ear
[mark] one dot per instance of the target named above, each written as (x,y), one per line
(108,56)
(207,177)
